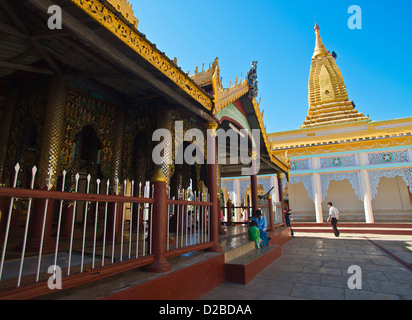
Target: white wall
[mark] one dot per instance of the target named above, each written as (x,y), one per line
(392,202)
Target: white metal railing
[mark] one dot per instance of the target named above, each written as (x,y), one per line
(76,254)
(192,220)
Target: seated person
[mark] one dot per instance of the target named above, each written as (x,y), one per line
(262,225)
(254,234)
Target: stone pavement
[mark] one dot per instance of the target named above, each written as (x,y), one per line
(315,267)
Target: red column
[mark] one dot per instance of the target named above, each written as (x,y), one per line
(271,223)
(254,194)
(211,181)
(253,184)
(280,188)
(160,217)
(229,212)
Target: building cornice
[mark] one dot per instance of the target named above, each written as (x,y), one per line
(136,41)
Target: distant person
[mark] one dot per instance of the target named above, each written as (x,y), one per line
(254,234)
(334,216)
(288,218)
(262,225)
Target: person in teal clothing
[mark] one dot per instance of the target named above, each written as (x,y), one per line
(254,234)
(262,226)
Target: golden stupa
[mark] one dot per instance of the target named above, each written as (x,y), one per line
(328,98)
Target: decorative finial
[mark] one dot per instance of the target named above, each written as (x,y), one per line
(320,49)
(316,26)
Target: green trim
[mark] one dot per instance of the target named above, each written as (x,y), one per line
(248,177)
(322,155)
(233,113)
(356,168)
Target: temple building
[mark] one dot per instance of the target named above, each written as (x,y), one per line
(79,108)
(338,155)
(363,167)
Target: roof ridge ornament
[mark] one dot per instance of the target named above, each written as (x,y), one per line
(320,49)
(125,8)
(252,80)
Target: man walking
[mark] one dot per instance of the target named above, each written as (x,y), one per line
(334,215)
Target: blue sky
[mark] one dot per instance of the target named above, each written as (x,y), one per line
(375,61)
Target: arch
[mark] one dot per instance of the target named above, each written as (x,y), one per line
(139,159)
(305,179)
(186,174)
(87,149)
(297,198)
(352,176)
(90,144)
(232,114)
(393,200)
(325,83)
(225,193)
(376,175)
(27,152)
(340,193)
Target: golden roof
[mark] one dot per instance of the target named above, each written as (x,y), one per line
(125,9)
(222,96)
(328,98)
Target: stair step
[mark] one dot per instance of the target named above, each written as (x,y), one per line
(239,251)
(244,268)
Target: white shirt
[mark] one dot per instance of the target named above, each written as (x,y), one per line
(333,212)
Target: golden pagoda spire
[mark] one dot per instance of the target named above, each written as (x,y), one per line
(320,49)
(328,99)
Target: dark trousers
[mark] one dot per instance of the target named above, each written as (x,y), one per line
(334,226)
(288,225)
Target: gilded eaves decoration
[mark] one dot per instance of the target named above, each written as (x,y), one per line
(311,149)
(126,10)
(222,97)
(114,24)
(282,163)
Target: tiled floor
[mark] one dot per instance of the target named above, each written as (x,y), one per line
(315,267)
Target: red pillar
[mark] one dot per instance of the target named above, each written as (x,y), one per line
(254,194)
(160,217)
(211,181)
(280,188)
(271,223)
(229,212)
(253,183)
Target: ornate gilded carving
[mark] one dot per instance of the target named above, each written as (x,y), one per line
(118,147)
(205,77)
(344,147)
(126,10)
(26,132)
(165,120)
(283,164)
(53,132)
(82,110)
(328,98)
(7,107)
(252,81)
(139,125)
(134,40)
(224,97)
